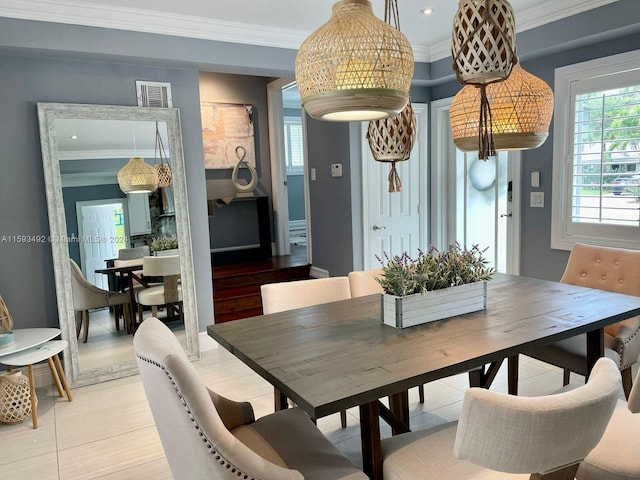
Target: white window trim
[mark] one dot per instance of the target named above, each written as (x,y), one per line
(565,234)
(293,170)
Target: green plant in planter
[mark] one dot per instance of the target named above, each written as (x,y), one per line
(434,270)
(163,243)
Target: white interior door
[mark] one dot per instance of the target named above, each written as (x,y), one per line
(394,222)
(478,201)
(101,233)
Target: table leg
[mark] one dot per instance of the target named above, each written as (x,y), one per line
(370,438)
(63,377)
(54,374)
(32,391)
(399,406)
(280,400)
(595,348)
(513,373)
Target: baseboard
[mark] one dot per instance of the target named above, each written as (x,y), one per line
(316,272)
(206,342)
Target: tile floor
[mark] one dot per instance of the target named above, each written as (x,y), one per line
(107,432)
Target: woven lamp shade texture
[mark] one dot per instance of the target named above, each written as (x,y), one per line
(521,110)
(483,43)
(137,177)
(164,175)
(391,139)
(355,67)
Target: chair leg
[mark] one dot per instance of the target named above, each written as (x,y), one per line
(627,381)
(85,315)
(513,367)
(117,310)
(78,323)
(566,377)
(421,393)
(343,418)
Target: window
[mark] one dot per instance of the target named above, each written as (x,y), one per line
(293,145)
(596,165)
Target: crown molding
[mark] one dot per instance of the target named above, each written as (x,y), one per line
(148,21)
(163,23)
(532,18)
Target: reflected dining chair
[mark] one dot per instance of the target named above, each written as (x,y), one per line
(168,293)
(500,436)
(205,435)
(363,282)
(279,297)
(612,269)
(617,455)
(87,296)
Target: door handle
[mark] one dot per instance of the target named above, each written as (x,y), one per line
(506,215)
(378,227)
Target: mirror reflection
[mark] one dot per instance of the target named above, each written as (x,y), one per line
(110,236)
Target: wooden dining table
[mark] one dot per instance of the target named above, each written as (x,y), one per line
(129,274)
(338,355)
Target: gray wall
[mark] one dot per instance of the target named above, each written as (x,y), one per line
(330,197)
(26,279)
(295,193)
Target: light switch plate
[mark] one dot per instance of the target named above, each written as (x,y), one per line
(336,169)
(537,200)
(535,179)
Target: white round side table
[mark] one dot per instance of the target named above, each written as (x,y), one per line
(45,351)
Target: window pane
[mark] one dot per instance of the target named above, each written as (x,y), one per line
(606,157)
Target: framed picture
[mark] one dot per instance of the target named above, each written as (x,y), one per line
(225,127)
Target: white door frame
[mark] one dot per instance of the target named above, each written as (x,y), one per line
(279,171)
(442,228)
(421,110)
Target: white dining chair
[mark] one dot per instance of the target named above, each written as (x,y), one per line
(505,437)
(617,455)
(168,293)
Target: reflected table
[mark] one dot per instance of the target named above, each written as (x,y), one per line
(335,356)
(129,273)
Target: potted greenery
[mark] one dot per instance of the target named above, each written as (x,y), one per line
(434,286)
(164,246)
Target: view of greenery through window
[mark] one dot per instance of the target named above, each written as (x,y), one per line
(606,157)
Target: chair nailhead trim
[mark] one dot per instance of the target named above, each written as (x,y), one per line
(221,460)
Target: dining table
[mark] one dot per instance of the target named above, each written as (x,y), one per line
(129,275)
(338,355)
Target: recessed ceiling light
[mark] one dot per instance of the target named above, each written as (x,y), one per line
(426,11)
(73,137)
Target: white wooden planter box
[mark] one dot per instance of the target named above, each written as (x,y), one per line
(402,312)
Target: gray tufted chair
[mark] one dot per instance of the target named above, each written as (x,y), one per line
(615,270)
(206,436)
(87,296)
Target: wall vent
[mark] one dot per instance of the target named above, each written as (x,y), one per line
(154,94)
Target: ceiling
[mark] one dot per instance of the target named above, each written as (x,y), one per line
(276,23)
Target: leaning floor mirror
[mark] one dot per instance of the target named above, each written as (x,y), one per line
(92,222)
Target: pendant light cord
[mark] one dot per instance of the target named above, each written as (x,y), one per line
(159,147)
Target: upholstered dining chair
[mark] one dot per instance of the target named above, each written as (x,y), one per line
(168,293)
(612,269)
(617,455)
(87,296)
(205,435)
(278,297)
(133,253)
(500,436)
(363,282)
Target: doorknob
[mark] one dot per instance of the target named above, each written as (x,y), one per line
(506,215)
(378,227)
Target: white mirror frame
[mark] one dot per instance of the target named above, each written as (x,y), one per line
(47,114)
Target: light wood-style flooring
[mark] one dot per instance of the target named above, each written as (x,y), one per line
(108,432)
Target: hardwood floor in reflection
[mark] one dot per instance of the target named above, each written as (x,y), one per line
(108,432)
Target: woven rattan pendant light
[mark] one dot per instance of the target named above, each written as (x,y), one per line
(391,139)
(521,111)
(138,177)
(162,169)
(355,67)
(483,48)
(483,43)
